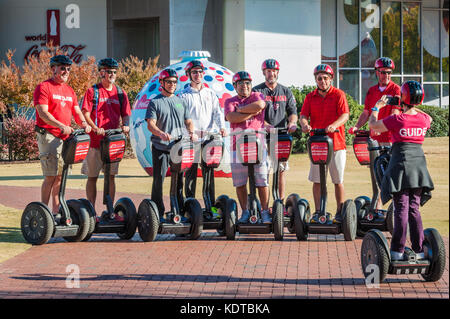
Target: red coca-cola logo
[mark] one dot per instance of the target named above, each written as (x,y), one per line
(116,150)
(362,153)
(319,152)
(81,151)
(72,51)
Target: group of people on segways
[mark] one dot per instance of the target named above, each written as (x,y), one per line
(192,123)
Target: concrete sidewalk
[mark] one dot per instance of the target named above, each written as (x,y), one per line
(252,266)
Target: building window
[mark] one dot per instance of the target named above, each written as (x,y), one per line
(415,35)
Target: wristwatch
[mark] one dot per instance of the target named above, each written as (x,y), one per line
(375,109)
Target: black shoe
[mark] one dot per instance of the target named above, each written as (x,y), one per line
(315,217)
(57,218)
(337,218)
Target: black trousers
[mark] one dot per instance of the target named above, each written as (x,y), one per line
(191,183)
(161,162)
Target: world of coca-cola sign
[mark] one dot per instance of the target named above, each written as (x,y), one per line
(53,35)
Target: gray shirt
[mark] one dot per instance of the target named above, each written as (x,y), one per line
(170,114)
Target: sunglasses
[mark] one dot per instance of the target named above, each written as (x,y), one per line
(170,82)
(324,78)
(246,83)
(197,72)
(111,71)
(65,68)
(385,72)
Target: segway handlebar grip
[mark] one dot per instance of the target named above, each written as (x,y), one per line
(113,131)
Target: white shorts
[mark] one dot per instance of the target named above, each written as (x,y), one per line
(336,168)
(93,164)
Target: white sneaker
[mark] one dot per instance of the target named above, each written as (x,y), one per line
(420,255)
(266,217)
(244,217)
(395,255)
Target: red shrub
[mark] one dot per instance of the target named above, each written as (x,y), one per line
(21,138)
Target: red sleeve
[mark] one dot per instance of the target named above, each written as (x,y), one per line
(40,95)
(390,122)
(87,100)
(342,104)
(306,107)
(126,108)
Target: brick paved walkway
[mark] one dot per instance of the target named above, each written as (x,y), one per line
(252,266)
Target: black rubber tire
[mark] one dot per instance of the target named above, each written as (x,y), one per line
(435,244)
(278,219)
(37,223)
(148,220)
(92,217)
(298,208)
(221,203)
(349,220)
(362,204)
(373,252)
(126,207)
(80,217)
(194,212)
(390,219)
(230,219)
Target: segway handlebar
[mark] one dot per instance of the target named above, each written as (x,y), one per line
(113,131)
(79,131)
(360,133)
(249,131)
(206,135)
(321,131)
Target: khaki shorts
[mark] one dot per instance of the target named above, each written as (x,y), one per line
(93,164)
(336,168)
(50,148)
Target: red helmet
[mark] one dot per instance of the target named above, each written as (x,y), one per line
(412,93)
(270,64)
(241,75)
(168,73)
(324,68)
(384,63)
(193,64)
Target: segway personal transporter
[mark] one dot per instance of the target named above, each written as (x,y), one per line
(149,222)
(367,152)
(320,150)
(375,257)
(38,224)
(211,155)
(249,152)
(280,148)
(112,149)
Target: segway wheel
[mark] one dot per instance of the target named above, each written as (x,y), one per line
(390,219)
(37,223)
(230,218)
(298,213)
(349,222)
(124,207)
(80,217)
(148,220)
(92,217)
(278,219)
(434,247)
(362,204)
(374,256)
(194,212)
(220,204)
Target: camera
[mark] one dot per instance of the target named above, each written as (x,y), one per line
(393,100)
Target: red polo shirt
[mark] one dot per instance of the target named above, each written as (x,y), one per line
(373,95)
(322,111)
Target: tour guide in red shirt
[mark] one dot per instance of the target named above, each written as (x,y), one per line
(327,108)
(55,104)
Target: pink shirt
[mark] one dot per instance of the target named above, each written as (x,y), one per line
(256,122)
(408,128)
